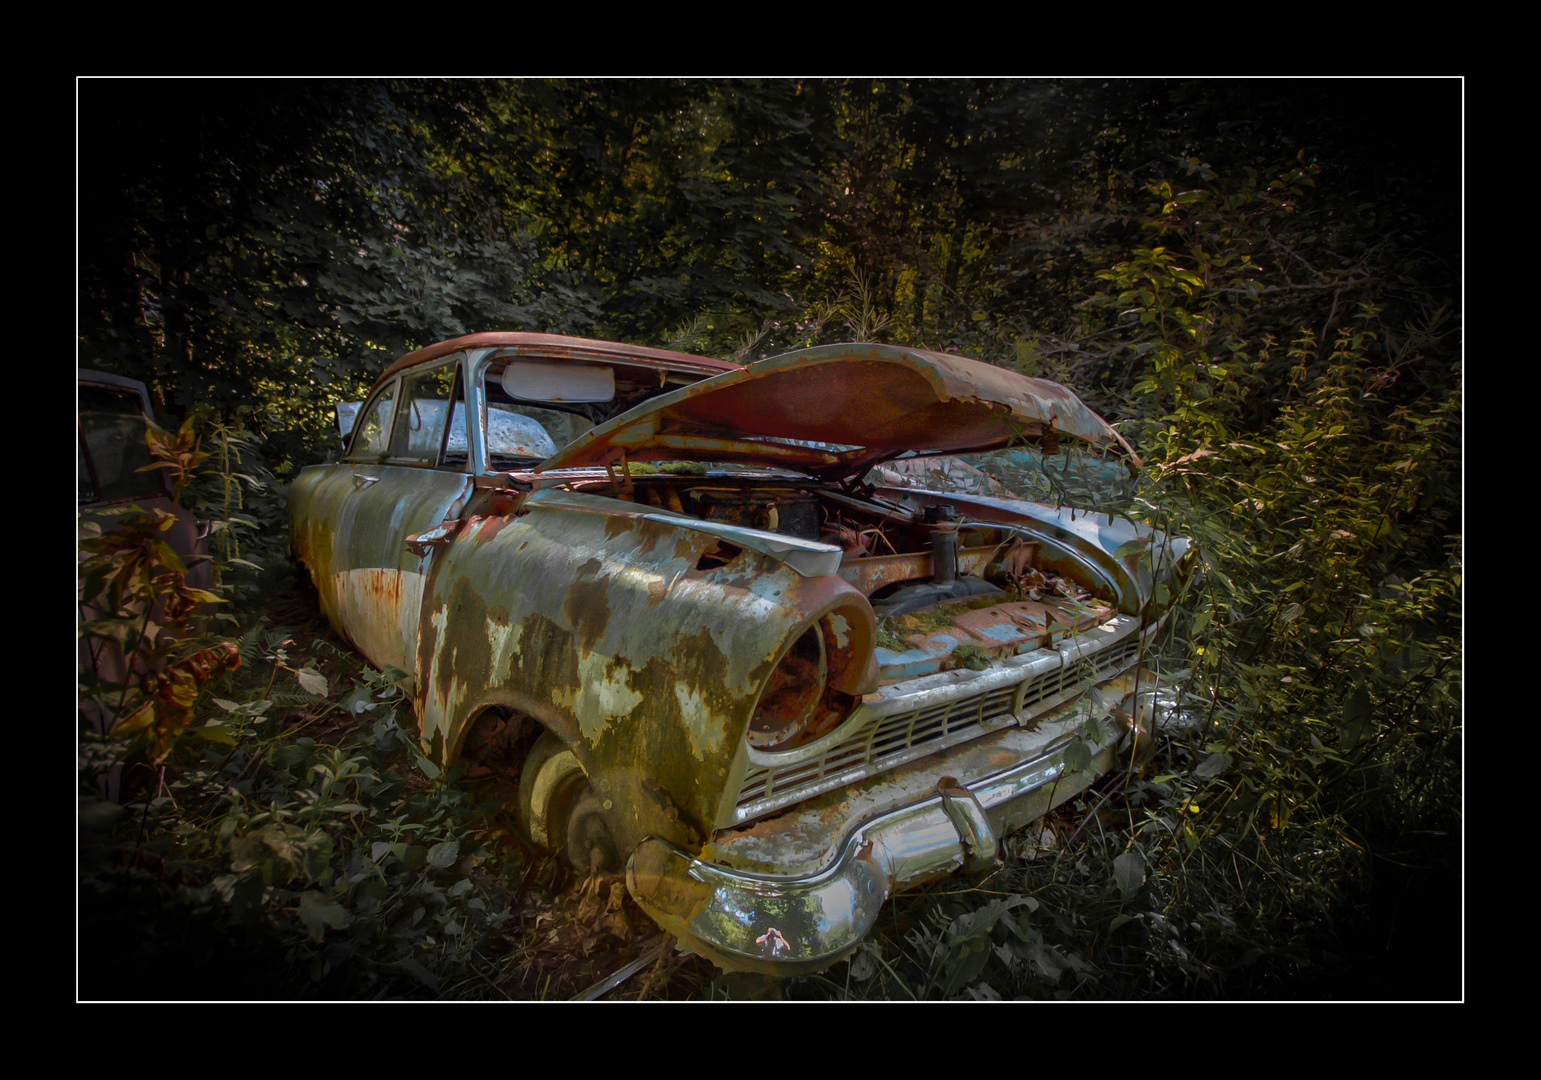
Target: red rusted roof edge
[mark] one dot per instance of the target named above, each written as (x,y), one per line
(560,345)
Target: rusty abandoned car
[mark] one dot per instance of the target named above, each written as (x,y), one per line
(666,590)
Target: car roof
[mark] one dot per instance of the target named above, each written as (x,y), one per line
(562,347)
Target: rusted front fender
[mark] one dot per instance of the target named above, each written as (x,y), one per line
(638,639)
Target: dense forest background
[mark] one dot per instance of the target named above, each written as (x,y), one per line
(1258,281)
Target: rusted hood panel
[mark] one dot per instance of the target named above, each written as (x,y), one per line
(859,403)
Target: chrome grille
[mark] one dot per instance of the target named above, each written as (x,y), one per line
(892,740)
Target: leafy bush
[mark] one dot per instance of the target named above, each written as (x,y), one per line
(282,865)
(1319,773)
(226,851)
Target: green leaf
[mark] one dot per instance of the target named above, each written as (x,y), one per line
(1357,720)
(97,815)
(216,732)
(1213,765)
(317,914)
(1129,873)
(442,856)
(421,974)
(311,681)
(1078,757)
(429,769)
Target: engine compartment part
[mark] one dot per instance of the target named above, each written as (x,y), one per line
(907,598)
(947,589)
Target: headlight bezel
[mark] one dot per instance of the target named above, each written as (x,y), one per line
(811,690)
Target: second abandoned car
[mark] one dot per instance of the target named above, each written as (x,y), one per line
(664,590)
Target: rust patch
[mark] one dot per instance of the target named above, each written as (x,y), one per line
(467,648)
(696,661)
(489,527)
(619,525)
(657,589)
(870,573)
(687,547)
(587,606)
(546,659)
(668,809)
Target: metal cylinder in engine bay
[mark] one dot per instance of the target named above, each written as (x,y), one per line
(941,518)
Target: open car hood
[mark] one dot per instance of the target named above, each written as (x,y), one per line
(835,411)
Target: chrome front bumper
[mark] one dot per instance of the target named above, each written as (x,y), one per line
(915,824)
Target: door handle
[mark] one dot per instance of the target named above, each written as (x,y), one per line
(360,481)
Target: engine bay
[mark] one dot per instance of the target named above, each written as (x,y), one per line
(946,591)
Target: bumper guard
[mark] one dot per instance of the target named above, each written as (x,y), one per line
(798,925)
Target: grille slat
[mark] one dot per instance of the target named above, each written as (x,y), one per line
(905,736)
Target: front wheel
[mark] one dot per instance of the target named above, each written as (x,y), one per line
(560,812)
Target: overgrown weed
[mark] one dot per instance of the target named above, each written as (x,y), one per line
(1262,854)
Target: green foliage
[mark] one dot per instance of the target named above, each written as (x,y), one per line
(139,614)
(1316,467)
(299,866)
(241,504)
(271,247)
(142,612)
(226,852)
(147,611)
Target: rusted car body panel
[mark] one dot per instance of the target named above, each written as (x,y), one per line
(873,400)
(791,692)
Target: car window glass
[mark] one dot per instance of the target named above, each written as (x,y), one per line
(456,449)
(1069,476)
(371,438)
(519,432)
(113,448)
(419,430)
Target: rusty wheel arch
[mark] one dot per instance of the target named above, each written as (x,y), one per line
(496,738)
(515,708)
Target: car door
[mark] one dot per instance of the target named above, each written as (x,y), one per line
(407,469)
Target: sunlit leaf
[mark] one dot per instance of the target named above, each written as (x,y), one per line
(311,681)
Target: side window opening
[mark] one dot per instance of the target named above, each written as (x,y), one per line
(423,423)
(422,431)
(457,448)
(371,437)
